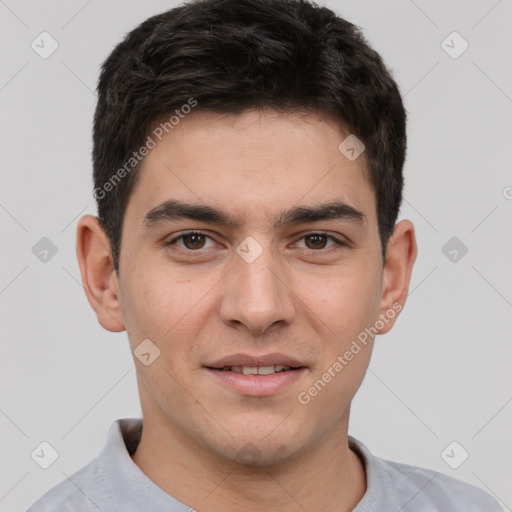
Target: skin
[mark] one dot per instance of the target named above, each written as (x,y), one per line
(302,297)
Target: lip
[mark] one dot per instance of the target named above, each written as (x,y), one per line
(257,385)
(259,360)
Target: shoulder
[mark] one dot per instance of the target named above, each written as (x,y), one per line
(69,495)
(103,482)
(432,490)
(416,489)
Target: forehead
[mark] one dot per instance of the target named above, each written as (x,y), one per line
(253,165)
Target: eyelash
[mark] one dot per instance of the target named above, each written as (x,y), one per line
(199,252)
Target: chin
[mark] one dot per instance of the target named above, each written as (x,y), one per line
(267,455)
(257,450)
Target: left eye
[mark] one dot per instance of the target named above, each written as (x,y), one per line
(318,241)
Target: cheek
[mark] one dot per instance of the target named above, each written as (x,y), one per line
(347,305)
(154,303)
(169,308)
(346,301)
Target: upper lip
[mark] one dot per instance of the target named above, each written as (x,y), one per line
(260,360)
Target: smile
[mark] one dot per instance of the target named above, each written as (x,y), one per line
(257,370)
(260,380)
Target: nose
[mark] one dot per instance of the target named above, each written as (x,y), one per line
(256,295)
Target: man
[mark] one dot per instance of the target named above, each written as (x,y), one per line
(248,163)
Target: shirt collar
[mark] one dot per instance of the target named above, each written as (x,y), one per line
(119,476)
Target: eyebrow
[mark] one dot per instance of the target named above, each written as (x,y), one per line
(174,210)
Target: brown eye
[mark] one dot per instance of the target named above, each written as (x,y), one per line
(316,241)
(193,241)
(320,242)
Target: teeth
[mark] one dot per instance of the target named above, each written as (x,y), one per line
(257,370)
(266,370)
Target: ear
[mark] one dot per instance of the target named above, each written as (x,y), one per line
(400,257)
(98,275)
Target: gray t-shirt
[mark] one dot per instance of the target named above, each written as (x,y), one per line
(113,482)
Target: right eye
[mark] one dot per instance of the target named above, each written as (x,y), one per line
(192,241)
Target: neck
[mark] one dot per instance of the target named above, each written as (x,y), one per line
(329,477)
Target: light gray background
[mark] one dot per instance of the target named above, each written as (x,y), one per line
(442,375)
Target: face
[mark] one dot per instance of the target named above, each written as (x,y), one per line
(252,288)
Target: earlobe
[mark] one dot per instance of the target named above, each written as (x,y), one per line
(98,275)
(400,257)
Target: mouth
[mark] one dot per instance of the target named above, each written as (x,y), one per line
(256,376)
(257,370)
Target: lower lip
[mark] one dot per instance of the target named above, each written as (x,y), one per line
(257,385)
